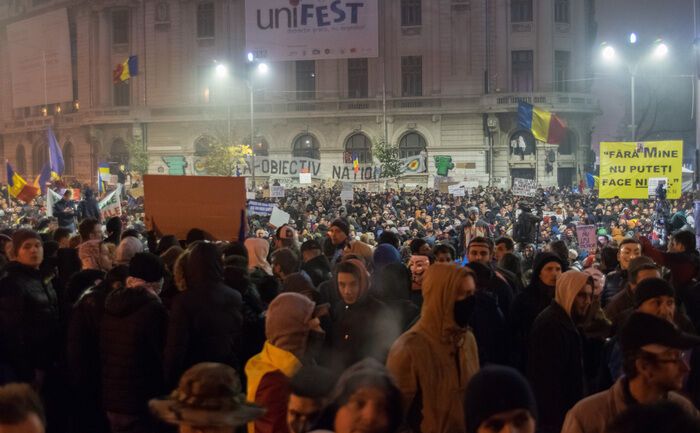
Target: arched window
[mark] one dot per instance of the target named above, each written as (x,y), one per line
(118,153)
(361,145)
(259,147)
(306,146)
(202,145)
(522,143)
(21,160)
(411,144)
(570,143)
(68,158)
(40,156)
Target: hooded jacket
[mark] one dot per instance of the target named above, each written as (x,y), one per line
(525,229)
(88,207)
(527,305)
(206,319)
(258,250)
(318,269)
(555,366)
(362,329)
(434,403)
(132,334)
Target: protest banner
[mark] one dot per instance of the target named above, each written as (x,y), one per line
(276,191)
(626,167)
(178,203)
(260,208)
(278,218)
(111,205)
(456,190)
(586,238)
(346,195)
(524,187)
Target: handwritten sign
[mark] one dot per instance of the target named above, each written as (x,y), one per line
(586,238)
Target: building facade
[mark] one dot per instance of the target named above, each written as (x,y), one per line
(447,83)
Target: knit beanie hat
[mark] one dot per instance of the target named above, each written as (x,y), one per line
(22,235)
(495,389)
(287,321)
(147,267)
(651,288)
(342,224)
(385,254)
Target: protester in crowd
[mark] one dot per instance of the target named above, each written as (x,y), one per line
(208,399)
(315,264)
(132,335)
(555,363)
(531,302)
(64,211)
(128,248)
(205,322)
(499,399)
(473,227)
(682,258)
(525,229)
(417,265)
(87,208)
(364,399)
(622,303)
(439,341)
(114,231)
(444,253)
(392,285)
(290,319)
(21,410)
(655,367)
(663,416)
(480,250)
(502,246)
(339,235)
(284,263)
(362,326)
(309,389)
(615,281)
(29,314)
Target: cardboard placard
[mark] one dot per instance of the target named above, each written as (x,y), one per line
(524,187)
(278,217)
(276,191)
(346,195)
(586,238)
(304,178)
(177,204)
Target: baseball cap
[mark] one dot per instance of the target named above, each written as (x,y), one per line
(653,334)
(285,232)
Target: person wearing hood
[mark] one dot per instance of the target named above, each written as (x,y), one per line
(555,363)
(29,313)
(525,228)
(528,304)
(206,319)
(501,282)
(393,287)
(315,264)
(87,208)
(439,342)
(114,230)
(291,318)
(258,250)
(361,327)
(128,248)
(132,334)
(365,399)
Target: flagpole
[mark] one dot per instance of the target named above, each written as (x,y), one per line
(46,98)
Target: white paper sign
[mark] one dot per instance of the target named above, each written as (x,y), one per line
(456,190)
(586,238)
(250,195)
(278,217)
(304,178)
(276,191)
(524,187)
(346,195)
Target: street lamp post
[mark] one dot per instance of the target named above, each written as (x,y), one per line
(261,69)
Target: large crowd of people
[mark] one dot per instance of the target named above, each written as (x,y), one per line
(404,310)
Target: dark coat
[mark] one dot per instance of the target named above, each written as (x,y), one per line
(555,366)
(615,282)
(490,329)
(29,323)
(88,208)
(206,321)
(132,335)
(318,269)
(525,229)
(61,210)
(358,332)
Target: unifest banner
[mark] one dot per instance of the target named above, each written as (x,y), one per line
(625,168)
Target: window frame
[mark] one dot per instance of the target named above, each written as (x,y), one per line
(206,20)
(358,78)
(411,13)
(521,11)
(517,74)
(363,150)
(120,36)
(407,150)
(411,76)
(305,90)
(312,152)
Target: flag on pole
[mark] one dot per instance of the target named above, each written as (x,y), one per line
(544,125)
(55,156)
(102,177)
(43,178)
(355,163)
(18,188)
(129,68)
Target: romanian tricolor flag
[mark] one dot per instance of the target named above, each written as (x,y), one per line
(103,176)
(18,188)
(592,181)
(355,163)
(126,70)
(55,156)
(544,125)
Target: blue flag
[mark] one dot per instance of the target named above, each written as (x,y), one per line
(55,155)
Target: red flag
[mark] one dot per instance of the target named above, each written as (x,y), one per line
(116,76)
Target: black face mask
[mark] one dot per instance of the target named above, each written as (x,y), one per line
(463,311)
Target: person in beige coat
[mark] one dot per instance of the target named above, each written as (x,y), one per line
(434,360)
(654,359)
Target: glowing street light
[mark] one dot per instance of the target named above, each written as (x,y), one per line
(608,53)
(221,71)
(661,50)
(250,56)
(263,68)
(633,38)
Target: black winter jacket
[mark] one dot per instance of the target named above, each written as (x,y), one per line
(318,269)
(29,323)
(206,320)
(555,367)
(525,229)
(132,335)
(615,281)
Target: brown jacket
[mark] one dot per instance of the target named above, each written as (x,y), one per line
(422,360)
(592,414)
